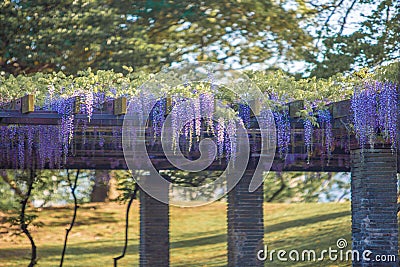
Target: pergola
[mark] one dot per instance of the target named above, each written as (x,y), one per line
(373,181)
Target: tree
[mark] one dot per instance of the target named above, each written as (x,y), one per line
(356,34)
(305,187)
(72,35)
(100,187)
(45,36)
(243,32)
(105,185)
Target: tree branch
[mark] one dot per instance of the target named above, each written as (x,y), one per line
(328,19)
(345,17)
(73,187)
(24,225)
(133,196)
(282,187)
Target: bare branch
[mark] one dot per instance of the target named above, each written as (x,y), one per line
(133,196)
(346,16)
(73,187)
(24,225)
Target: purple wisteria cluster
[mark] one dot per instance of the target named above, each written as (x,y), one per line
(375,112)
(41,146)
(65,107)
(282,123)
(31,146)
(388,111)
(374,106)
(199,112)
(325,122)
(308,134)
(158,116)
(244,114)
(80,102)
(190,120)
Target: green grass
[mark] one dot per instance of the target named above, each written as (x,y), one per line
(198,235)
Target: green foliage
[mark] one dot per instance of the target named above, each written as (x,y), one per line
(8,200)
(356,34)
(244,31)
(50,188)
(286,88)
(72,35)
(13,87)
(312,90)
(43,36)
(292,187)
(126,183)
(389,73)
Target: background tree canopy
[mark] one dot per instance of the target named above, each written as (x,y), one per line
(356,34)
(72,35)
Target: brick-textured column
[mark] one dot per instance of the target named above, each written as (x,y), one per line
(245,224)
(154,232)
(374,204)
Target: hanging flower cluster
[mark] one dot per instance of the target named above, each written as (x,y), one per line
(207,104)
(374,107)
(282,123)
(231,140)
(89,103)
(266,122)
(244,114)
(375,110)
(308,133)
(187,117)
(364,106)
(40,146)
(31,146)
(158,116)
(220,136)
(190,118)
(65,107)
(388,111)
(325,122)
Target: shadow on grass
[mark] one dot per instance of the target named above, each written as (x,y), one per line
(303,222)
(102,218)
(111,249)
(71,207)
(200,241)
(187,236)
(219,238)
(77,249)
(93,218)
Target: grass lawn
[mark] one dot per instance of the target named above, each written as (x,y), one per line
(198,235)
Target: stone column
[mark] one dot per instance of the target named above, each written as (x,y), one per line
(154,232)
(245,224)
(374,205)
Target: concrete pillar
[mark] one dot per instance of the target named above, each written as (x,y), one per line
(154,232)
(245,224)
(374,205)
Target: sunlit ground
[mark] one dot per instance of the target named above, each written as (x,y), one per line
(198,235)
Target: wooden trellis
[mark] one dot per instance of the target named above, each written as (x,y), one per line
(21,112)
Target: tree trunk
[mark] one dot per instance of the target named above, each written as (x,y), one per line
(113,192)
(101,186)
